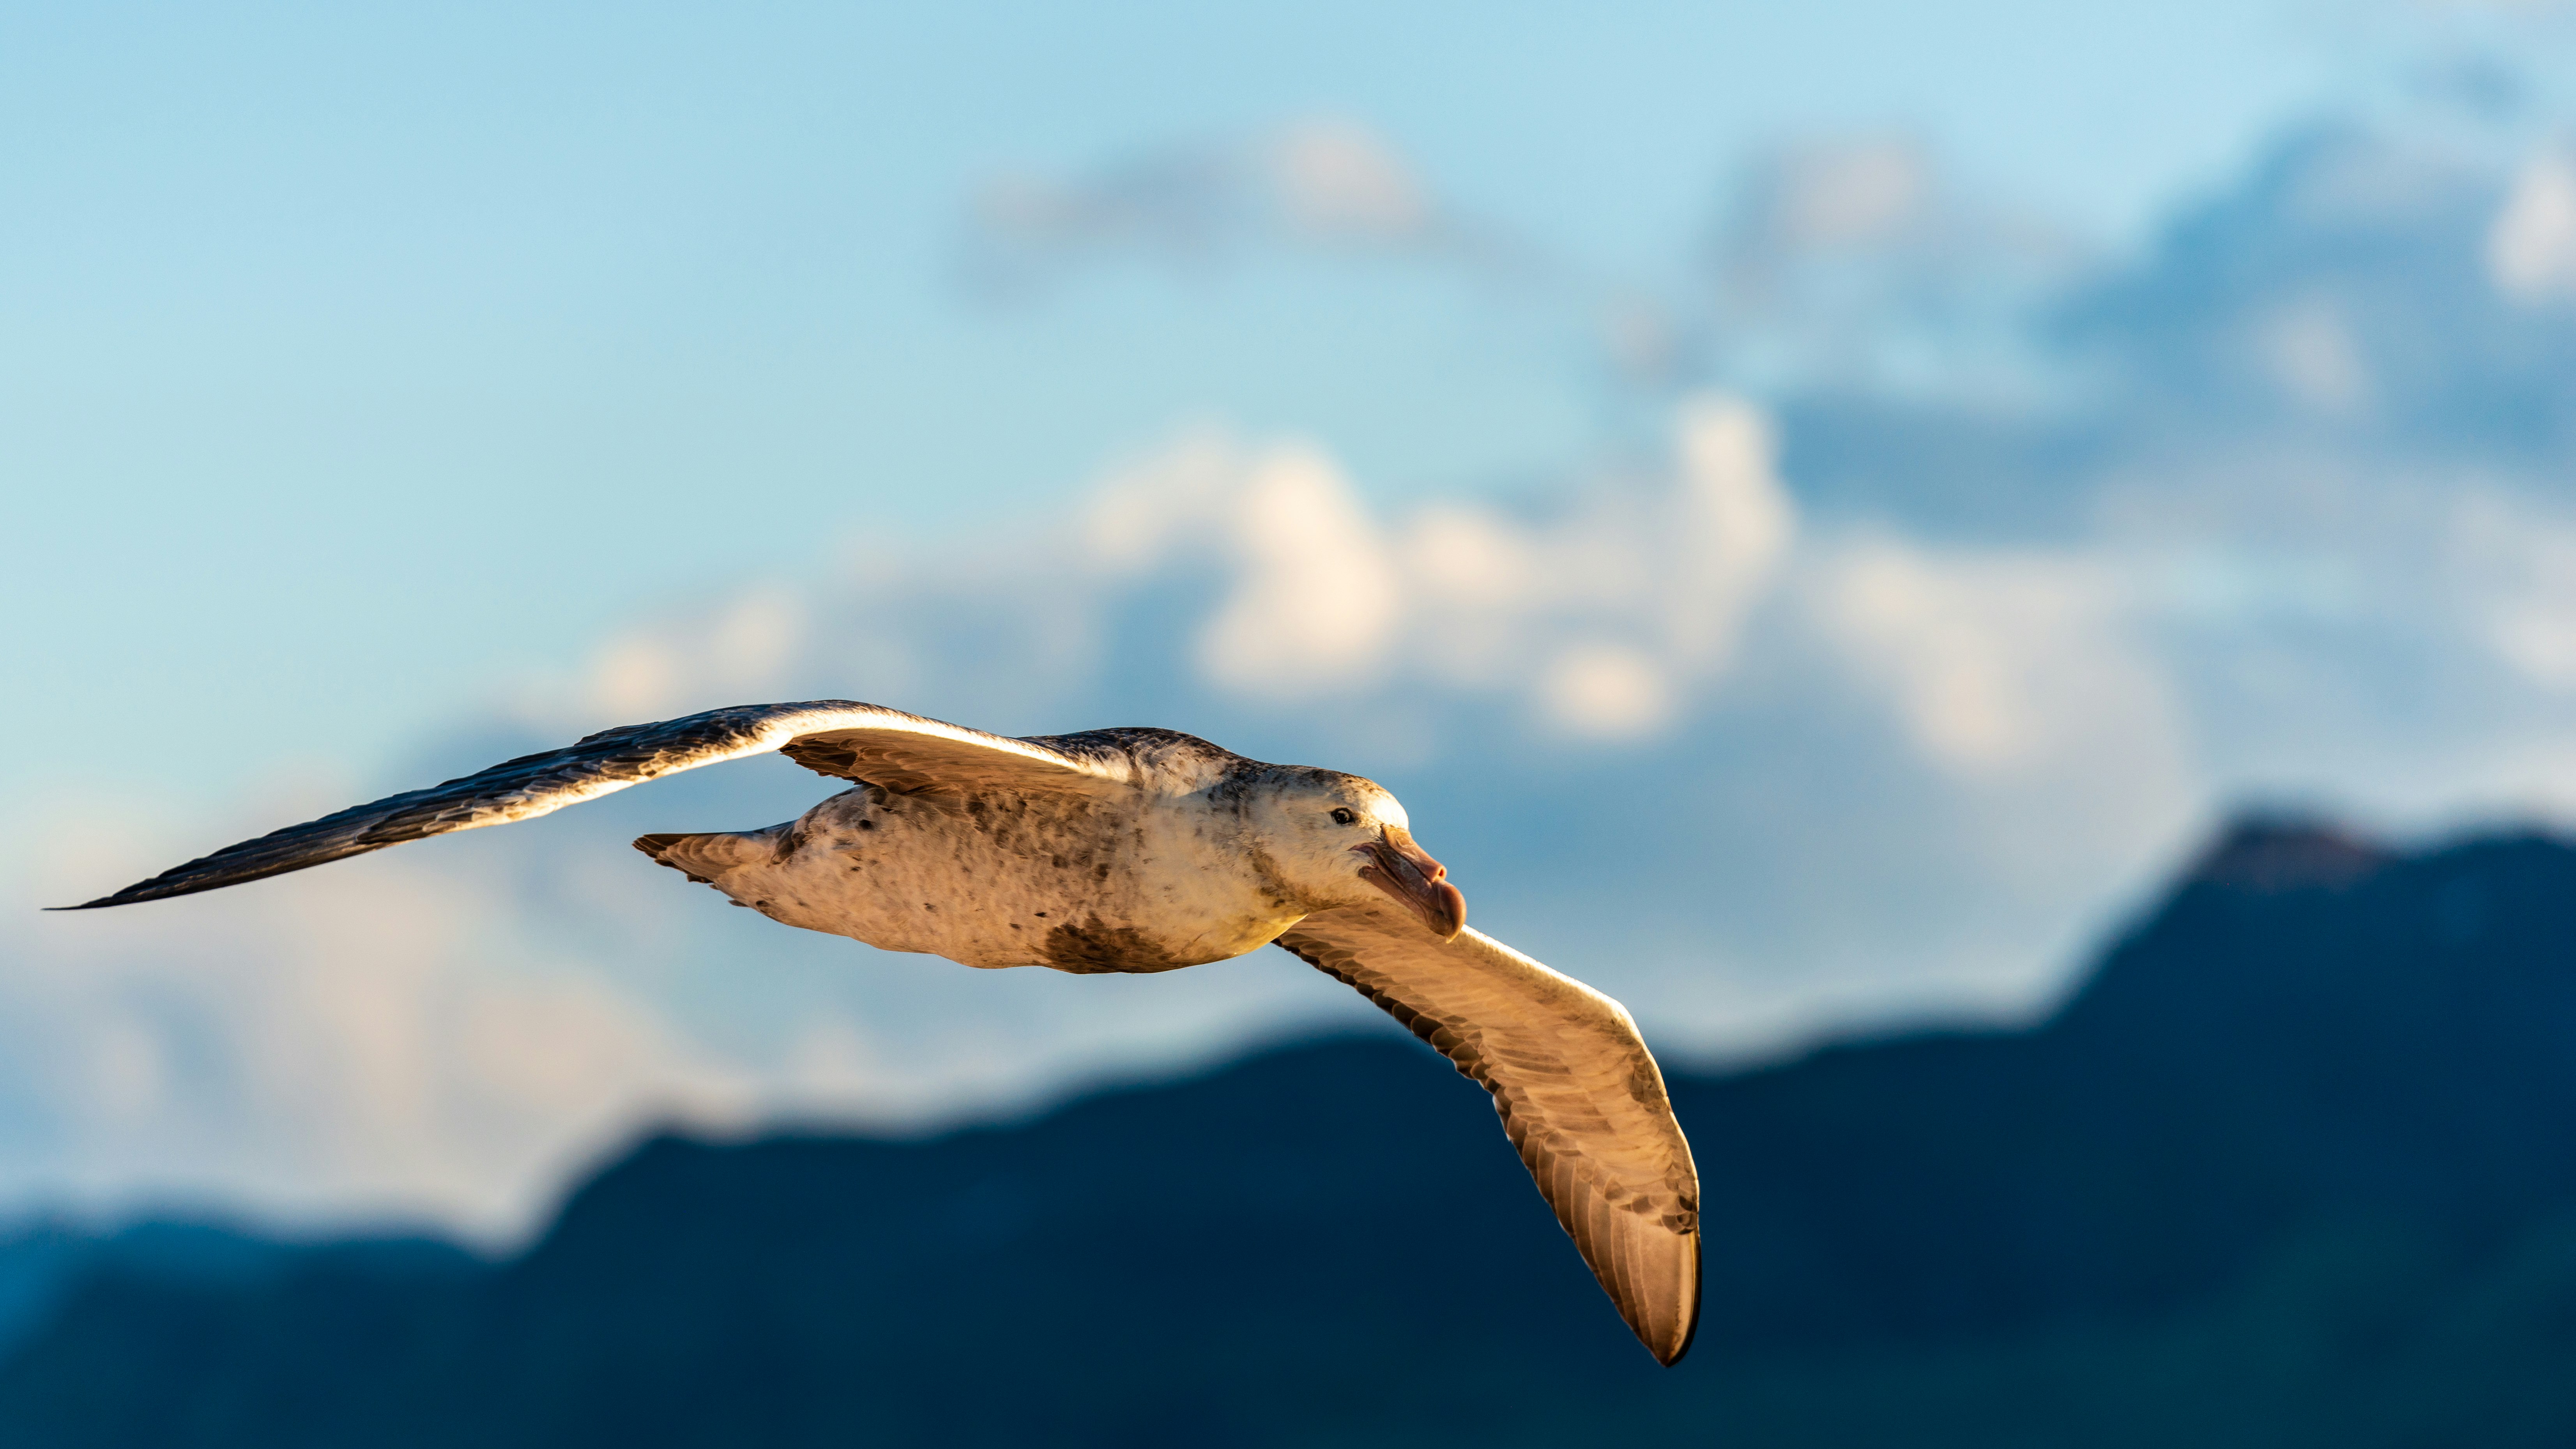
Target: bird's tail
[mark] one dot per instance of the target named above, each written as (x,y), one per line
(704,857)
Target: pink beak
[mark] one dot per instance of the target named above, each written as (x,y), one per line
(1402,870)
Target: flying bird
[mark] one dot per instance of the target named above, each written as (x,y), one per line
(1128,850)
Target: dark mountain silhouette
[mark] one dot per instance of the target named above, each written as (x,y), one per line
(2297,1165)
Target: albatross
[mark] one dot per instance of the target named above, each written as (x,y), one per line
(1127,850)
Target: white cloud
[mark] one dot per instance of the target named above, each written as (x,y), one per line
(1336,178)
(1734,527)
(1322,597)
(745,645)
(1328,181)
(2311,352)
(2531,246)
(1146,508)
(2520,564)
(1856,263)
(1856,193)
(1607,691)
(1316,601)
(353,1041)
(1997,661)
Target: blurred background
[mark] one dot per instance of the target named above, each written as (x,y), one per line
(1822,513)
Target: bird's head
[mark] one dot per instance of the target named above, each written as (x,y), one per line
(1337,840)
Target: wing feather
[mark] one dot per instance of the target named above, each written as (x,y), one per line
(1579,1095)
(902,752)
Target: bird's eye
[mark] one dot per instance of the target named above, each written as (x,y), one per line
(1345,816)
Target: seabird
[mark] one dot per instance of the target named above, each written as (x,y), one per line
(1128,850)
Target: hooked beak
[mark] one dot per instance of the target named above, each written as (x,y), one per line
(1400,868)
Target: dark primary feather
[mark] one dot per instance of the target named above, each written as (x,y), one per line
(834,737)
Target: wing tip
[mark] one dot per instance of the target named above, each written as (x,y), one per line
(1689,1325)
(165,887)
(1690,1335)
(1668,1342)
(125,897)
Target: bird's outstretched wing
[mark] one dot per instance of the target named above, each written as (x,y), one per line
(1578,1092)
(902,752)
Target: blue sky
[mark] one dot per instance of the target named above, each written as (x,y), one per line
(1815,508)
(509,320)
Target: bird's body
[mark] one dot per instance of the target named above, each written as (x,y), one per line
(1129,850)
(1152,877)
